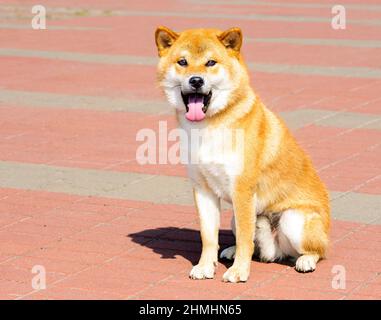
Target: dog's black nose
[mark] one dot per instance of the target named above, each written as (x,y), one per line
(196,82)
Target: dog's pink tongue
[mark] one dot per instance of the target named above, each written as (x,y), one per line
(195,105)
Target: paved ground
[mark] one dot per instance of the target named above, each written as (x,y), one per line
(73,198)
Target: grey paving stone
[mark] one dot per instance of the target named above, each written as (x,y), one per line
(54,100)
(153,188)
(359,207)
(354,72)
(320,42)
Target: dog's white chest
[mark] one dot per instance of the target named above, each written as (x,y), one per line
(218,162)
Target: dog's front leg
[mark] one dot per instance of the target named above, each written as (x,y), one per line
(245,217)
(208,207)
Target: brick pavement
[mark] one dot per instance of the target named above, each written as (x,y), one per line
(73,197)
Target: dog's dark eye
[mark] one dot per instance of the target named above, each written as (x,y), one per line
(210,63)
(182,62)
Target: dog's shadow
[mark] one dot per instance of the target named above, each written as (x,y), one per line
(170,242)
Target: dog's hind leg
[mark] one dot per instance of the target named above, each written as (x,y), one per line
(303,236)
(265,242)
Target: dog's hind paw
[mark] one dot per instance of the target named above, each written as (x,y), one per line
(228,253)
(306,263)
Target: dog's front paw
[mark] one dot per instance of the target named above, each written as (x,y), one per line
(203,271)
(236,274)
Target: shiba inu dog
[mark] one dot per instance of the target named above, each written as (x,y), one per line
(280,204)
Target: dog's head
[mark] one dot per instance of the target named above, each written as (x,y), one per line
(201,70)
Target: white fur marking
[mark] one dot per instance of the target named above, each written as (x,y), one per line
(228,253)
(291,227)
(269,249)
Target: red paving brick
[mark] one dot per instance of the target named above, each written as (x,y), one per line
(76,78)
(102,248)
(103,260)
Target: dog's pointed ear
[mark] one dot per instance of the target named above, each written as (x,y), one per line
(164,38)
(232,39)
